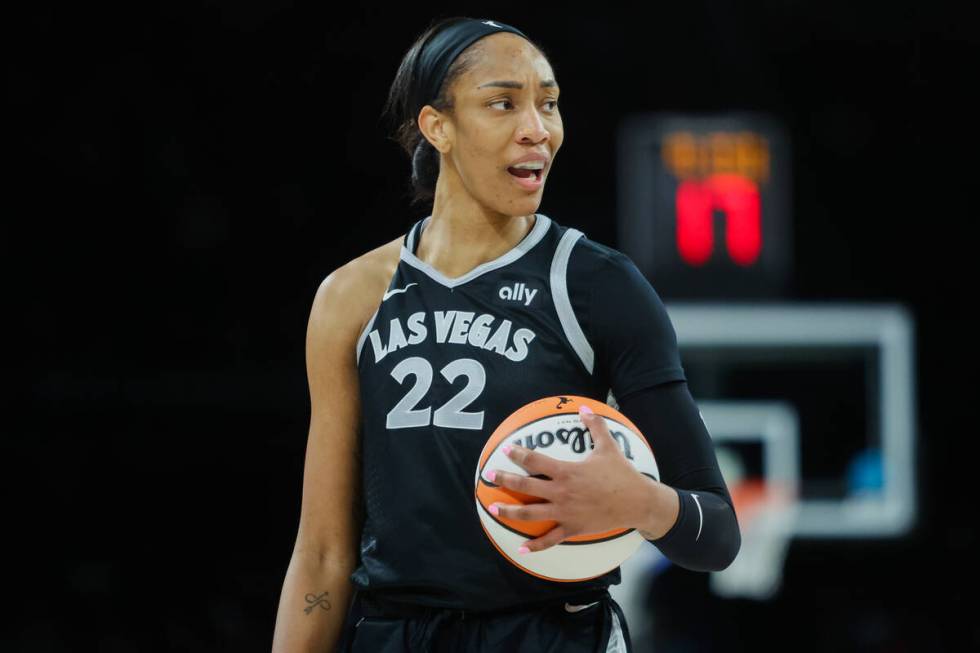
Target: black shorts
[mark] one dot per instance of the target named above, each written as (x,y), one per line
(377,626)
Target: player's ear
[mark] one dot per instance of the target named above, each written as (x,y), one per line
(436,128)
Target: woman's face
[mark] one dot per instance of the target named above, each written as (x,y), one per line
(505,110)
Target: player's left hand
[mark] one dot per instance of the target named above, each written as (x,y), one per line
(601,493)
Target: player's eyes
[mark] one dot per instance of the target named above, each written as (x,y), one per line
(554,103)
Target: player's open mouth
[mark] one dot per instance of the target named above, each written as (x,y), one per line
(527,179)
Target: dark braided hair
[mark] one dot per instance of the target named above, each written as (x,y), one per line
(424,157)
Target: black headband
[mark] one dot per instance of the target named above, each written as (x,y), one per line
(442,49)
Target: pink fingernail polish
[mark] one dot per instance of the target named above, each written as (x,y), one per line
(492,475)
(494,510)
(584,410)
(505,449)
(523,549)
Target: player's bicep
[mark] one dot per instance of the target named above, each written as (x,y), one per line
(636,345)
(331,476)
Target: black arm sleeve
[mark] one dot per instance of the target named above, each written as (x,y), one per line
(637,354)
(706,535)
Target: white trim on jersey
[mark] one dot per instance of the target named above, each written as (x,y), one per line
(540,228)
(559,293)
(617,642)
(364,333)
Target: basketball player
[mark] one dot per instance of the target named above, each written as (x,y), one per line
(418,349)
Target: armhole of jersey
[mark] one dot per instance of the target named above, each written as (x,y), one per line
(408,241)
(563,304)
(367,329)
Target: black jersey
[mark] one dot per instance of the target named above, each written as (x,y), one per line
(444,360)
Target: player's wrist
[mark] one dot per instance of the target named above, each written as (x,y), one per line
(657,508)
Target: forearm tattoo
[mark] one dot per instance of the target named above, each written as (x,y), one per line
(317,601)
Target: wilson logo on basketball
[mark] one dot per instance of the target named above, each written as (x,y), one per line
(573,437)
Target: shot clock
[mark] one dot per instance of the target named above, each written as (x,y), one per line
(704,203)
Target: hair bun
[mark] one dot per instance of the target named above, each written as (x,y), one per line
(425,166)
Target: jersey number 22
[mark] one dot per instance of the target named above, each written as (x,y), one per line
(405,415)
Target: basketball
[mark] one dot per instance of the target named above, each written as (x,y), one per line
(551,425)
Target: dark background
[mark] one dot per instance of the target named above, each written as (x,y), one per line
(182,176)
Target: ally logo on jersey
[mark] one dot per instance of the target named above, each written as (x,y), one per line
(517,292)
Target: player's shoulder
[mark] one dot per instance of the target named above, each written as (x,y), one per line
(357,286)
(588,256)
(592,265)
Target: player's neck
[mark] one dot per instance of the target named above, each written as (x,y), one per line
(455,242)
